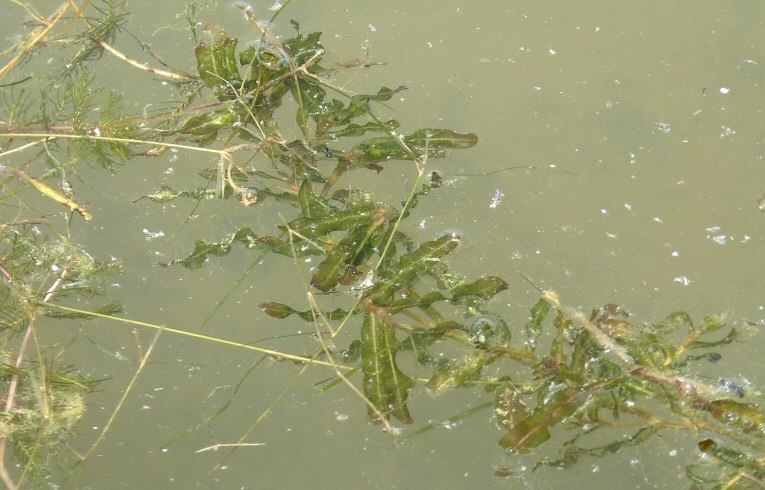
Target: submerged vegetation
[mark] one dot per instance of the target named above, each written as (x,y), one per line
(593,383)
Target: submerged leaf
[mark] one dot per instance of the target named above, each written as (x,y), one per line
(311,205)
(168,194)
(534,325)
(352,251)
(218,67)
(452,376)
(279,310)
(485,288)
(532,431)
(410,265)
(386,387)
(434,142)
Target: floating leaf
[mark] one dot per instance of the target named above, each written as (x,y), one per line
(385,385)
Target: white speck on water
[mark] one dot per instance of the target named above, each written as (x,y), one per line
(656,219)
(673,453)
(552,52)
(724,90)
(726,132)
(675,253)
(169,171)
(664,127)
(603,211)
(612,235)
(341,417)
(719,239)
(496,199)
(628,206)
(423,223)
(682,280)
(150,235)
(372,28)
(430,44)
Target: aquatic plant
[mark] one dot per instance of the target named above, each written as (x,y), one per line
(583,378)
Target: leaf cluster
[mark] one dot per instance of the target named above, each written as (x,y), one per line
(601,374)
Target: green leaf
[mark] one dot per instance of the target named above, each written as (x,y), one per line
(453,376)
(353,250)
(534,430)
(245,236)
(747,417)
(408,302)
(335,220)
(386,387)
(279,310)
(434,142)
(168,194)
(410,265)
(311,205)
(509,407)
(206,126)
(533,327)
(485,288)
(361,130)
(276,310)
(728,339)
(440,139)
(218,66)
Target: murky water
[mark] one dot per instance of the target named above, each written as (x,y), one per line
(637,123)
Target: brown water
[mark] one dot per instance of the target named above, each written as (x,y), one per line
(640,120)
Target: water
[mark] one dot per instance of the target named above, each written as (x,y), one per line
(640,125)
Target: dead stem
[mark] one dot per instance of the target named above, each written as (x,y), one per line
(144,66)
(37,36)
(683,385)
